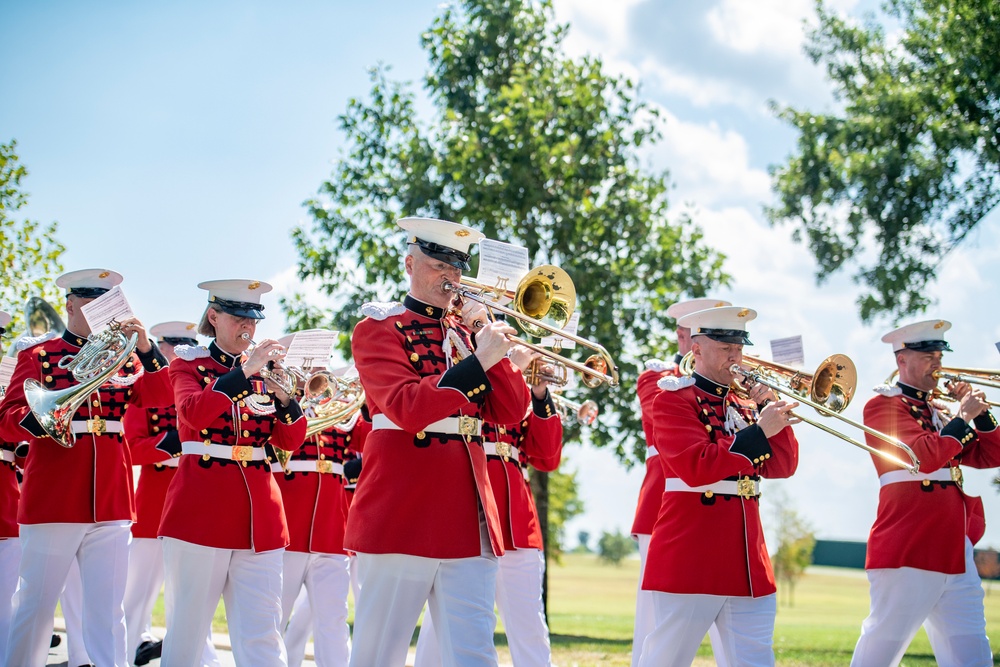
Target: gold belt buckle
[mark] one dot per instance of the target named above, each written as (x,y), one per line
(503,449)
(745,488)
(956,475)
(324,466)
(97,426)
(242,453)
(467,425)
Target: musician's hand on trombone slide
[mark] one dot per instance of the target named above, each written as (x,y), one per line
(761,394)
(972,402)
(474,315)
(776,416)
(522,357)
(492,343)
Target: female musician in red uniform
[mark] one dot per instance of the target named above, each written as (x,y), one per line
(226,413)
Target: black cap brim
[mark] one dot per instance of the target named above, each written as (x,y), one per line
(732,336)
(239,308)
(459,260)
(173,340)
(928,346)
(88,292)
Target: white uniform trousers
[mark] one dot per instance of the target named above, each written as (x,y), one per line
(950,607)
(47,551)
(71,602)
(250,585)
(327,579)
(394,587)
(745,624)
(300,625)
(10,556)
(142,588)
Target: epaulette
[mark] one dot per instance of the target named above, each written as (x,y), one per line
(348,426)
(671,383)
(379,310)
(30,341)
(658,365)
(191,352)
(888,390)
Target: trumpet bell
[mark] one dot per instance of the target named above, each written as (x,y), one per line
(598,364)
(546,294)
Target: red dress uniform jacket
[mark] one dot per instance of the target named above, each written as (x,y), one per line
(316,503)
(215,406)
(923,524)
(10,492)
(705,543)
(91,481)
(538,439)
(152,437)
(420,491)
(651,491)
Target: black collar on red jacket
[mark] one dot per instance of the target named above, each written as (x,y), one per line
(73,339)
(913,392)
(709,387)
(423,309)
(223,357)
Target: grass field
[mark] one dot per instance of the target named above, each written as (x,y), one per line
(591,607)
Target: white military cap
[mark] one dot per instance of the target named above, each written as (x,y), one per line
(726,324)
(89,283)
(237,297)
(926,336)
(176,332)
(682,308)
(4,320)
(443,240)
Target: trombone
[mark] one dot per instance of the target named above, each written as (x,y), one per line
(584,413)
(543,303)
(828,391)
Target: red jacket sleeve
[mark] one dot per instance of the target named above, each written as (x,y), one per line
(14,407)
(891,416)
(544,439)
(144,445)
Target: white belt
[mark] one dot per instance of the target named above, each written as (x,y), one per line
(651,452)
(745,487)
(503,449)
(233,453)
(96,426)
(942,475)
(172,462)
(461,425)
(6,455)
(323,466)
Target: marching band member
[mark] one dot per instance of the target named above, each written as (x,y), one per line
(651,491)
(537,441)
(77,502)
(919,560)
(423,521)
(707,560)
(315,499)
(226,413)
(10,545)
(152,437)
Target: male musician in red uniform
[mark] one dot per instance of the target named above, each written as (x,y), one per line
(651,491)
(707,559)
(10,545)
(227,411)
(315,498)
(423,522)
(77,502)
(537,441)
(152,438)
(919,560)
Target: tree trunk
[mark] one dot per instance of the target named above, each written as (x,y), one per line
(540,488)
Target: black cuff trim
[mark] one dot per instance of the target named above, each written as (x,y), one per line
(468,377)
(153,360)
(234,384)
(958,429)
(170,444)
(31,425)
(985,422)
(543,407)
(287,415)
(352,470)
(752,443)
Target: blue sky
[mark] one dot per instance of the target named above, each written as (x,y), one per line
(175,143)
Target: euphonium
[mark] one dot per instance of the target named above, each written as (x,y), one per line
(39,318)
(101,357)
(276,371)
(329,400)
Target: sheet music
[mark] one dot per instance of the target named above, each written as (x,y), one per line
(788,351)
(499,261)
(570,328)
(112,305)
(6,371)
(311,348)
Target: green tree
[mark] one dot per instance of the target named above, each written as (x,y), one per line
(612,548)
(796,541)
(31,254)
(910,165)
(533,148)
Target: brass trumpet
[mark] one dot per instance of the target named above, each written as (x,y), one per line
(330,400)
(583,413)
(543,303)
(276,371)
(980,376)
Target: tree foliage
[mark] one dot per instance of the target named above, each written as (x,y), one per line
(531,147)
(796,541)
(564,503)
(30,251)
(612,548)
(910,165)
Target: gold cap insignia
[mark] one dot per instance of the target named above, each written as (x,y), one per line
(189,327)
(254,285)
(719,304)
(462,232)
(104,274)
(939,324)
(743,313)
